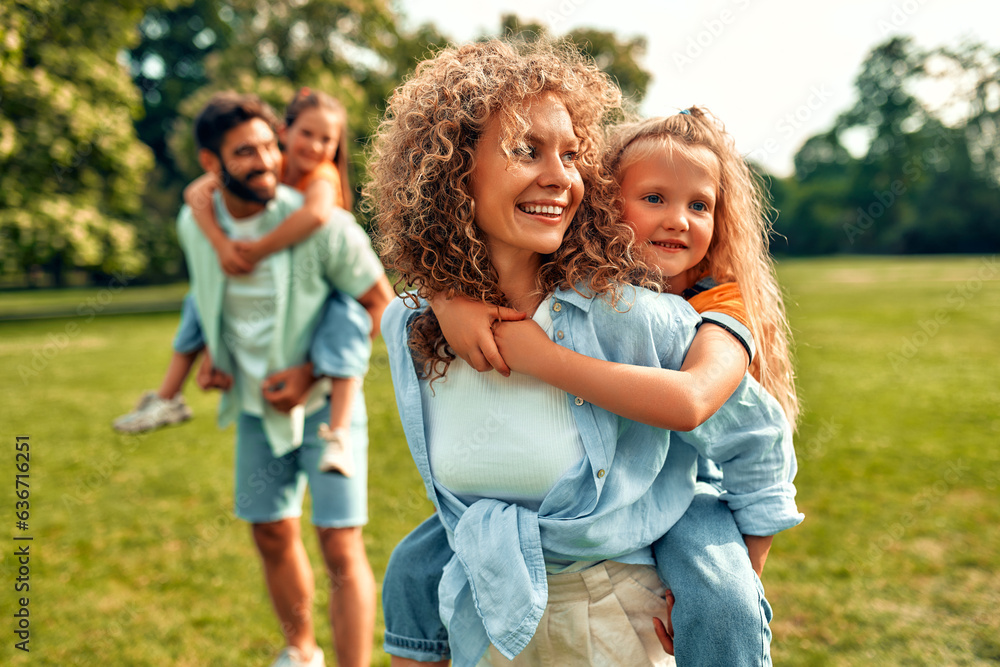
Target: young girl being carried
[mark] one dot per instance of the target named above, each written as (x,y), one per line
(697,209)
(315,163)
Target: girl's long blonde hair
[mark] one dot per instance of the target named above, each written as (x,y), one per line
(423,155)
(738,251)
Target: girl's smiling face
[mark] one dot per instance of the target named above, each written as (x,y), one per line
(525,205)
(313,138)
(669,200)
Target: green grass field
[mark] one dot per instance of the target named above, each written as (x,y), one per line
(136,558)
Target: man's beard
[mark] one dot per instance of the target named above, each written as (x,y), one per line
(240,188)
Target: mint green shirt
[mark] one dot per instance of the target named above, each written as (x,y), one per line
(337,256)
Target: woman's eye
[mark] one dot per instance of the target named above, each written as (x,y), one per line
(570,156)
(524,150)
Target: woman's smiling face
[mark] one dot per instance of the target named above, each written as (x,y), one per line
(525,205)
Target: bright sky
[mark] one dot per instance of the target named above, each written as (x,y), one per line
(775,71)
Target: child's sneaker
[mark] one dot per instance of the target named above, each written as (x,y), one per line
(337,454)
(292,657)
(153,412)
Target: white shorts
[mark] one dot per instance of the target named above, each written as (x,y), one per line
(601,616)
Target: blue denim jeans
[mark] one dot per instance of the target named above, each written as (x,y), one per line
(720,616)
(189,337)
(413,627)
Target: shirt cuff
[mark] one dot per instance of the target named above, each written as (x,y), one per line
(764,512)
(733,326)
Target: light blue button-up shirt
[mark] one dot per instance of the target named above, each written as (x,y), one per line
(633,484)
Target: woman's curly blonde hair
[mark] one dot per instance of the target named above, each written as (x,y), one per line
(423,156)
(738,251)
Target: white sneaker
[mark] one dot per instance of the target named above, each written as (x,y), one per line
(153,412)
(292,657)
(337,454)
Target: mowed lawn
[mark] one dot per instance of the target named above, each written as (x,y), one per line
(137,560)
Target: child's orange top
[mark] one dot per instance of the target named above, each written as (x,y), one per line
(327,172)
(722,305)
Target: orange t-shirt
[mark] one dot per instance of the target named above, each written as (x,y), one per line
(327,172)
(722,305)
(724,298)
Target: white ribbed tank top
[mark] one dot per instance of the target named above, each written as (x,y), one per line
(494,437)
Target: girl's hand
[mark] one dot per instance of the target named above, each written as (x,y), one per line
(467,325)
(250,251)
(210,377)
(198,193)
(665,631)
(523,345)
(231,259)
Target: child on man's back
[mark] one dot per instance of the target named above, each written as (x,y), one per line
(315,163)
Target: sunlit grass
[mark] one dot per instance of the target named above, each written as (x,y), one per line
(137,559)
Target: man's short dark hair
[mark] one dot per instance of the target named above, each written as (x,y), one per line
(224,112)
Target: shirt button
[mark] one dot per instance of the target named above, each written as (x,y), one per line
(578,401)
(600,473)
(560,335)
(557,306)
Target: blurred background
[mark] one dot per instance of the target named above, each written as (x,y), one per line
(872,140)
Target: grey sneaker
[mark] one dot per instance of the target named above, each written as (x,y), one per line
(337,455)
(292,657)
(152,412)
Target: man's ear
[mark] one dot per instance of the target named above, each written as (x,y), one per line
(209,161)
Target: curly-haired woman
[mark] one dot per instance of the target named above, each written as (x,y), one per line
(486,183)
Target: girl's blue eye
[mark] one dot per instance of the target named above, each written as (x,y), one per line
(699,206)
(653,199)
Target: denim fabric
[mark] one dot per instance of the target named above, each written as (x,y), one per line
(413,627)
(189,337)
(720,615)
(342,344)
(269,487)
(634,483)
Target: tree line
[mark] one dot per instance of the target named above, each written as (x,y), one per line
(97,99)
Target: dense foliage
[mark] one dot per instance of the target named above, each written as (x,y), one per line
(925,180)
(97,98)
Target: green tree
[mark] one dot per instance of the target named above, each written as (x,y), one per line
(353,50)
(921,184)
(619,58)
(71,166)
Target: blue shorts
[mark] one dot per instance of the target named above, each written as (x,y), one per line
(189,337)
(270,488)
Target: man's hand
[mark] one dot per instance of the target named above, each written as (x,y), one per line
(210,377)
(665,633)
(288,388)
